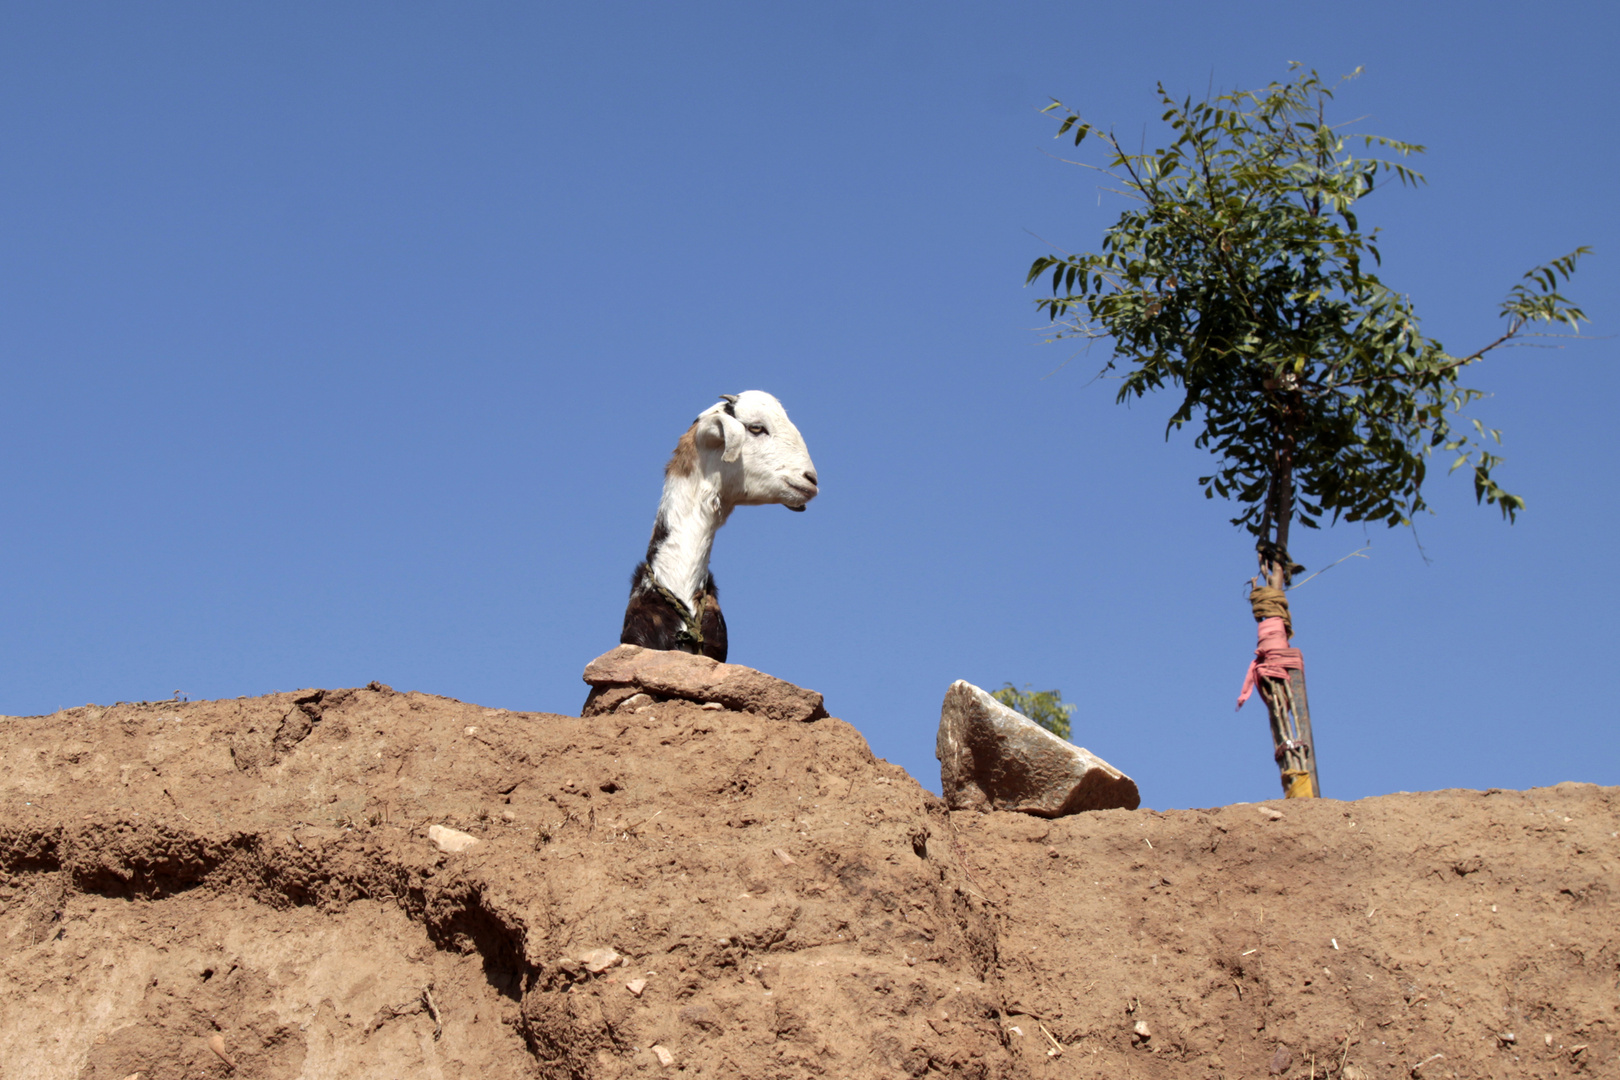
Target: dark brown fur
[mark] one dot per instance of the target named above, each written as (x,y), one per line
(651,622)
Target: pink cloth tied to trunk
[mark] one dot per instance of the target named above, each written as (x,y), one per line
(1272,657)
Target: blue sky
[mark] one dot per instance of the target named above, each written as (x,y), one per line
(344,342)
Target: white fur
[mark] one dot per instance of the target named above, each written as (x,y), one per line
(736,466)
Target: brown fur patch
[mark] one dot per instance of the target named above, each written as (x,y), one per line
(714,624)
(683,462)
(650,621)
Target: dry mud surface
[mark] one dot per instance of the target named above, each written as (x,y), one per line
(257,874)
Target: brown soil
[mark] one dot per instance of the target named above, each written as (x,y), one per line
(259,871)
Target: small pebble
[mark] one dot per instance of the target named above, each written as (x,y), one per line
(216,1043)
(665,1058)
(597,961)
(452,841)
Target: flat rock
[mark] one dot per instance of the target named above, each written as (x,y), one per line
(668,674)
(992,758)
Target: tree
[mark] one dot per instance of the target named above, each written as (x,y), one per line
(1045,707)
(1244,279)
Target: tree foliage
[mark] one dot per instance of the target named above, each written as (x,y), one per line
(1244,278)
(1045,707)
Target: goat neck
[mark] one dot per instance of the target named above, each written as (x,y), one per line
(693,507)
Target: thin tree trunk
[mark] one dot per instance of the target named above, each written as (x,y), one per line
(1286,704)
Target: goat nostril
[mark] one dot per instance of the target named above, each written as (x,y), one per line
(811,476)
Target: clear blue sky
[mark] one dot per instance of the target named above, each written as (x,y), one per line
(347,341)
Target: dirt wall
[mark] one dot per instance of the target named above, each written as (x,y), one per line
(688,891)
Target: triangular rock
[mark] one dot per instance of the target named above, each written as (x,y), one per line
(992,758)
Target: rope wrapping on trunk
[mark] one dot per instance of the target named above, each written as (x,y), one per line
(1273,660)
(1272,656)
(1269,603)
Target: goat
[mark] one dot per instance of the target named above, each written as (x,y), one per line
(742,452)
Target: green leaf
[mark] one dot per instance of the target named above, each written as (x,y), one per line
(1044,707)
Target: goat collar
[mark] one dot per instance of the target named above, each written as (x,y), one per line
(691,631)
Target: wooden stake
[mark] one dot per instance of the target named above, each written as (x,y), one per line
(1292,761)
(1302,717)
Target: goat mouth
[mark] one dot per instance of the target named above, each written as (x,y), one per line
(808,492)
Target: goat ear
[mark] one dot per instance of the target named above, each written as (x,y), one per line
(722,429)
(734,433)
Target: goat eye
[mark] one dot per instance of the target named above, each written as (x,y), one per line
(756,429)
